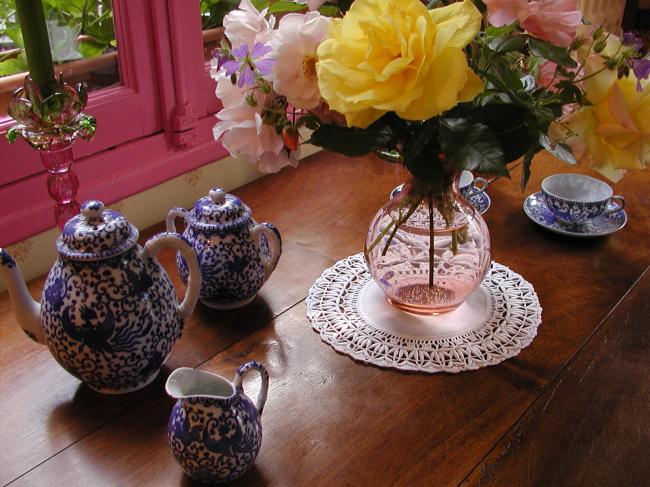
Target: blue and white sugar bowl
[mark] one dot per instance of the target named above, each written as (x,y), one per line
(108,313)
(236,254)
(215,430)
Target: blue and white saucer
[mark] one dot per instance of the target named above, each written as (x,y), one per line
(597,227)
(481,201)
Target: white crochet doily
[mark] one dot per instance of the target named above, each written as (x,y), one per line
(495,323)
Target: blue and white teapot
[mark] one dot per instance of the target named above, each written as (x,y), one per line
(108,312)
(236,254)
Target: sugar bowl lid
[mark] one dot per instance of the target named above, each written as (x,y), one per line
(219,211)
(96,233)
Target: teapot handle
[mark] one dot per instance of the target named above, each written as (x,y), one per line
(275,245)
(239,377)
(157,242)
(174,213)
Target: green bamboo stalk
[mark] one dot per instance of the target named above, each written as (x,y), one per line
(37,45)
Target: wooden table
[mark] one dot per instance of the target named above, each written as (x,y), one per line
(571,409)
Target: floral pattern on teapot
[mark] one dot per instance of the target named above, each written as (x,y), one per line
(108,312)
(110,323)
(236,254)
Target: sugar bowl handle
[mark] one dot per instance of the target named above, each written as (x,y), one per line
(275,246)
(174,213)
(157,242)
(264,389)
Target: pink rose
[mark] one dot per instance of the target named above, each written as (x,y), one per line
(247,25)
(504,12)
(546,76)
(554,21)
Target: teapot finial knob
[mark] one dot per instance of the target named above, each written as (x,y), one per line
(92,210)
(217,195)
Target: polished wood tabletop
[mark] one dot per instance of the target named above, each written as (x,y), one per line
(573,408)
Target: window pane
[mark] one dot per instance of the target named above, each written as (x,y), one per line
(82,37)
(212,13)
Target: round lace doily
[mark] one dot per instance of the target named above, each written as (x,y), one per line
(495,323)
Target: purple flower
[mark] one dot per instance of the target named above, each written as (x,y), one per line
(641,69)
(221,55)
(247,63)
(631,39)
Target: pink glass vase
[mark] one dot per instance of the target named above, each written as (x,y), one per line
(428,252)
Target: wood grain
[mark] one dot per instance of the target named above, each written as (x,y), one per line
(329,420)
(592,424)
(51,409)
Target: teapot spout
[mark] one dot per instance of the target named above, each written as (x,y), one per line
(27,310)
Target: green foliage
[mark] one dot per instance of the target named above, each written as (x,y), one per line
(551,52)
(354,141)
(90,19)
(13,65)
(528,160)
(213,12)
(285,6)
(471,145)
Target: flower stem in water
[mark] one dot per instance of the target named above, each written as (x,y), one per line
(431,247)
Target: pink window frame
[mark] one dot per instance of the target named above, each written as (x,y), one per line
(155,126)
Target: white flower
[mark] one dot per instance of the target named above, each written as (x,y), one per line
(247,25)
(312,4)
(242,130)
(294,46)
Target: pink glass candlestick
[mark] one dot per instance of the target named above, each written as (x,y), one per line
(62,182)
(51,125)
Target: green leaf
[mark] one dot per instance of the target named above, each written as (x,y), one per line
(284,6)
(508,122)
(418,154)
(471,145)
(492,31)
(528,160)
(260,4)
(14,33)
(13,66)
(352,141)
(551,52)
(507,44)
(90,49)
(420,139)
(329,10)
(559,150)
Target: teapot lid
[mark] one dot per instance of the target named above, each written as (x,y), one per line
(96,233)
(219,211)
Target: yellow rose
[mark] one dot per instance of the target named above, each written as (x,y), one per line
(613,134)
(395,55)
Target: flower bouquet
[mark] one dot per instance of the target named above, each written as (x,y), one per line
(449,86)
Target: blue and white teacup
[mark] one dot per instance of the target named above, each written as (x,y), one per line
(576,198)
(470,186)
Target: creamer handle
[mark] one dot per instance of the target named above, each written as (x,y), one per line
(264,389)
